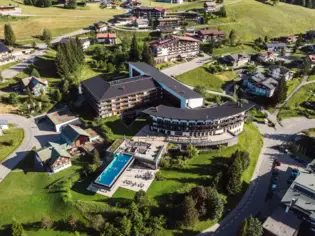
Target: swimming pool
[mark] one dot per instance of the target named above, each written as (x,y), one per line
(109,176)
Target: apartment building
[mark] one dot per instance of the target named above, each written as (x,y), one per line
(174,47)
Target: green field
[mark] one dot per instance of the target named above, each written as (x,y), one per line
(202,77)
(294,106)
(292,84)
(231,50)
(28,196)
(16,135)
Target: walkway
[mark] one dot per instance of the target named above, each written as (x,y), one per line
(254,199)
(32,137)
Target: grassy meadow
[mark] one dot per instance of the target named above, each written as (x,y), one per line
(16,135)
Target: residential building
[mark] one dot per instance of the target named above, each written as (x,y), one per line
(169,22)
(214,125)
(85,42)
(55,157)
(266,56)
(174,47)
(276,46)
(101,26)
(211,34)
(279,72)
(74,136)
(155,12)
(146,86)
(210,6)
(142,23)
(190,16)
(281,223)
(260,85)
(36,85)
(106,38)
(300,198)
(61,118)
(235,60)
(7,10)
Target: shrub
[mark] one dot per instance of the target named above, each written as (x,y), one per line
(159,176)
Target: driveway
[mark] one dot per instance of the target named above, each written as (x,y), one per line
(253,201)
(32,137)
(187,66)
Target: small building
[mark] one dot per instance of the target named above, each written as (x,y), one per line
(36,85)
(142,23)
(235,60)
(276,46)
(260,85)
(106,38)
(190,16)
(61,118)
(210,6)
(211,34)
(101,26)
(4,124)
(155,12)
(281,223)
(169,22)
(85,42)
(74,136)
(279,72)
(55,157)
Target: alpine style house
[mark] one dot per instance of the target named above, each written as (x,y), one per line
(186,121)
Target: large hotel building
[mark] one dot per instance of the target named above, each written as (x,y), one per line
(185,116)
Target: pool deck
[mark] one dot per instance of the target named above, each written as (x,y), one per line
(134,184)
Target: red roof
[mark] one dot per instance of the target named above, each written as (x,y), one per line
(211,32)
(106,35)
(187,38)
(160,9)
(311,57)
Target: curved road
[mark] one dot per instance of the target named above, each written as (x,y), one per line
(253,201)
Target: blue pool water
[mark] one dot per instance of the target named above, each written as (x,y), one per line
(113,170)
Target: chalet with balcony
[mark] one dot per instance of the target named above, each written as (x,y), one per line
(106,38)
(260,85)
(74,136)
(36,85)
(211,34)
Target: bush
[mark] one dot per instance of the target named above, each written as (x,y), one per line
(159,176)
(164,163)
(8,142)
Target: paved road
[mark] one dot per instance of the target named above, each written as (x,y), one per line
(72,34)
(254,199)
(187,66)
(32,137)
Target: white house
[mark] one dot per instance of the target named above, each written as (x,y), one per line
(278,72)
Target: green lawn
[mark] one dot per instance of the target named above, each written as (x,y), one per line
(292,84)
(311,78)
(16,135)
(231,50)
(294,106)
(202,77)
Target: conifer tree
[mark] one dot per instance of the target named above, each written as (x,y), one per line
(232,37)
(147,55)
(190,213)
(303,3)
(80,52)
(280,93)
(61,62)
(251,226)
(134,53)
(309,3)
(17,228)
(70,55)
(9,37)
(47,37)
(234,185)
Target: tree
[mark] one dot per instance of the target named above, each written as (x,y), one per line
(125,226)
(17,228)
(147,55)
(46,222)
(275,2)
(140,198)
(192,151)
(96,158)
(47,37)
(190,213)
(303,3)
(13,98)
(199,195)
(232,37)
(72,221)
(310,4)
(61,62)
(243,158)
(201,90)
(9,37)
(222,12)
(43,3)
(35,73)
(34,45)
(98,222)
(134,53)
(136,218)
(205,17)
(71,4)
(266,39)
(58,95)
(251,226)
(215,204)
(280,93)
(234,175)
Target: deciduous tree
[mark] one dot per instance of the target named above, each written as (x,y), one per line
(46,222)
(17,228)
(192,151)
(251,226)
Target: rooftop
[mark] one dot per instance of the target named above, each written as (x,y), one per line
(268,82)
(282,69)
(51,153)
(209,113)
(281,223)
(103,90)
(62,116)
(3,48)
(105,35)
(71,132)
(211,32)
(32,81)
(162,78)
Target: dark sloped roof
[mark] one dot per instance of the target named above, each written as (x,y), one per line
(162,78)
(70,133)
(210,113)
(3,48)
(102,90)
